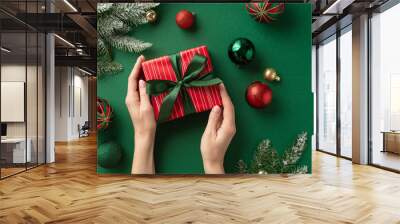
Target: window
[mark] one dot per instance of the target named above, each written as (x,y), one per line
(327,96)
(334,96)
(385,89)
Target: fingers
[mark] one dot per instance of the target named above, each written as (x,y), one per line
(214,120)
(229,111)
(144,98)
(132,95)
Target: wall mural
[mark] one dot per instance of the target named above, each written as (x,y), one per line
(212,93)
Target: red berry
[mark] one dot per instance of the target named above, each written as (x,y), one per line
(258,94)
(184,19)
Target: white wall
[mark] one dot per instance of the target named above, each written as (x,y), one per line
(71,102)
(81,103)
(62,81)
(16,73)
(12,73)
(33,127)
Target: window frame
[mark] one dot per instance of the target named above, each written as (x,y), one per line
(381,9)
(334,37)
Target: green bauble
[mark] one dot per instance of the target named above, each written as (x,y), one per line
(241,51)
(109,155)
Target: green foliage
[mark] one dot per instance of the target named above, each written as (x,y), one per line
(129,44)
(114,22)
(268,161)
(108,67)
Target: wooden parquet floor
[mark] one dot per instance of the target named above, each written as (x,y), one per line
(70,191)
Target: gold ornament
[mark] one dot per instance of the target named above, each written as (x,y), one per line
(151,16)
(270,75)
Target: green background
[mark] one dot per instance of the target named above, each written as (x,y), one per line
(284,45)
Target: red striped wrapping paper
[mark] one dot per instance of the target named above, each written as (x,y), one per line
(203,98)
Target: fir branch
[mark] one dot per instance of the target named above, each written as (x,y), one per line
(134,14)
(124,29)
(107,26)
(242,166)
(139,6)
(115,21)
(103,8)
(129,44)
(267,160)
(104,67)
(292,155)
(101,48)
(300,170)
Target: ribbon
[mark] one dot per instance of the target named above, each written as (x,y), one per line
(191,78)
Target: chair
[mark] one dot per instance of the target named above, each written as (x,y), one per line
(84,130)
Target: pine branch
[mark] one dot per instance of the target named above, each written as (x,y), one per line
(266,158)
(104,68)
(139,6)
(242,166)
(115,21)
(300,170)
(129,44)
(134,13)
(122,30)
(101,48)
(292,155)
(107,26)
(103,8)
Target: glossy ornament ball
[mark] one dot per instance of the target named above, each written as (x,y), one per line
(184,19)
(271,75)
(109,154)
(104,114)
(265,11)
(258,95)
(241,51)
(151,16)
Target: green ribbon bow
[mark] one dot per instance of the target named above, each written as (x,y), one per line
(191,78)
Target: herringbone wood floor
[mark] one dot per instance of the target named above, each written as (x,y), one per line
(70,191)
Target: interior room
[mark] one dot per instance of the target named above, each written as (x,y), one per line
(52,119)
(334,104)
(25,64)
(23,99)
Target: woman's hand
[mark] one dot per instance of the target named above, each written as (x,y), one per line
(144,123)
(218,134)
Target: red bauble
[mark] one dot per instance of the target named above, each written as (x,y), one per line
(258,94)
(184,19)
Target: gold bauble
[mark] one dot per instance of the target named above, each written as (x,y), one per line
(151,16)
(271,75)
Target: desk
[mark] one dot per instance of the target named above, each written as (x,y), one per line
(391,141)
(13,150)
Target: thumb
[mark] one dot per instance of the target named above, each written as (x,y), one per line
(213,119)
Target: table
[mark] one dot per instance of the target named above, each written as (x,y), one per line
(13,150)
(391,141)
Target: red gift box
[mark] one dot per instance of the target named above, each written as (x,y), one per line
(202,98)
